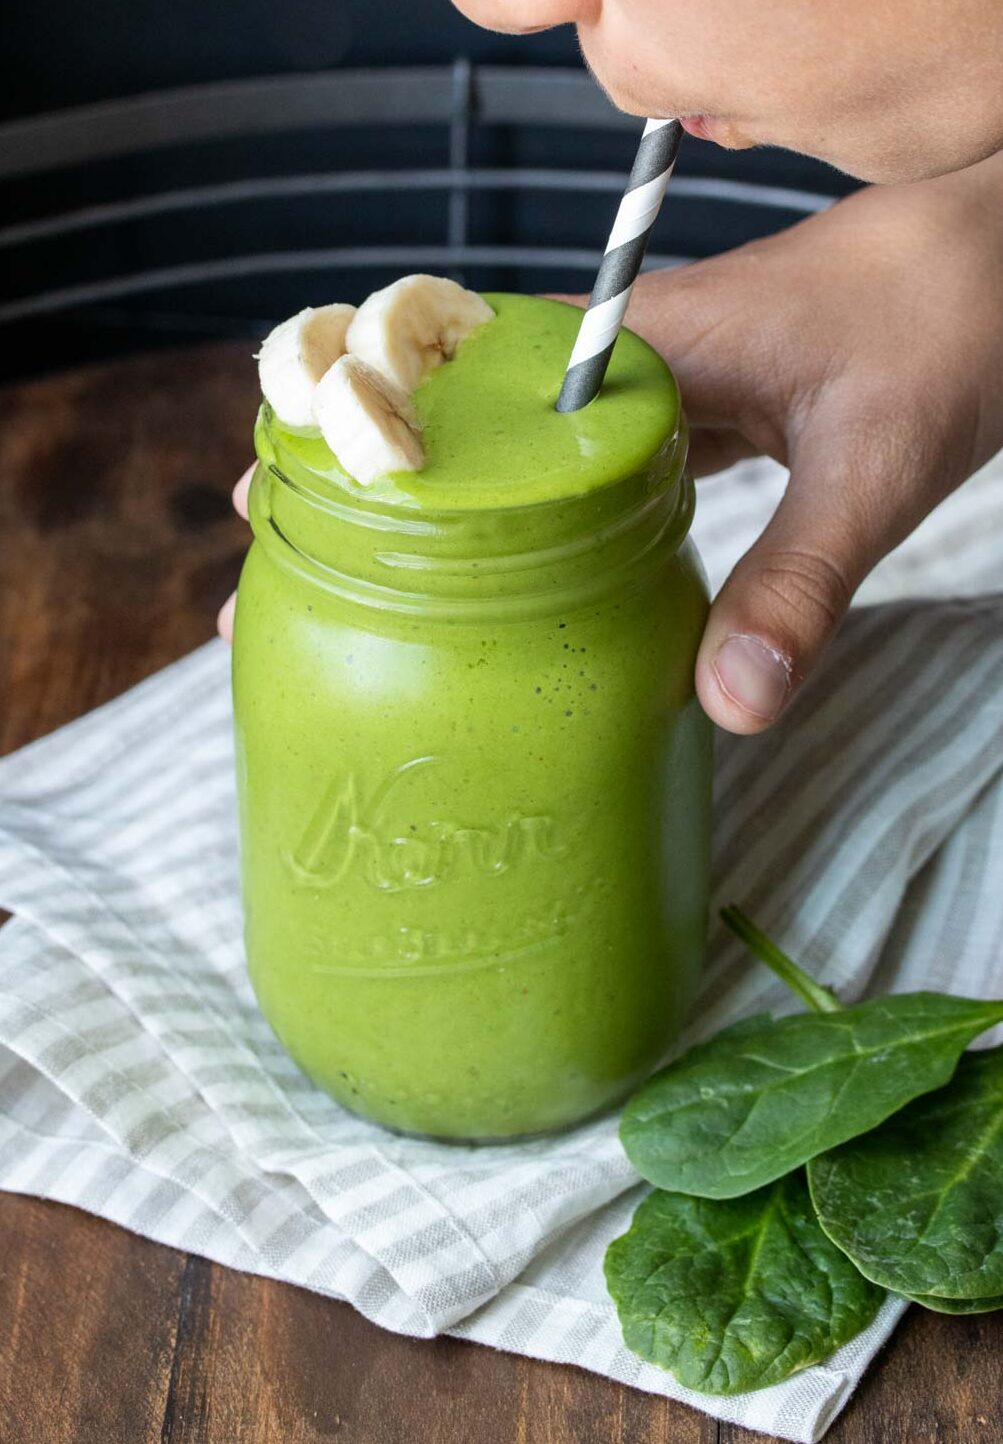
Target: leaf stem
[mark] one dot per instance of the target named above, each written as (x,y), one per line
(822,1000)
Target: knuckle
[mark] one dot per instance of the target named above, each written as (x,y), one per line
(805,585)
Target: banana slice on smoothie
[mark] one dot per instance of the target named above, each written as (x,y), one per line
(367,420)
(412,326)
(295,356)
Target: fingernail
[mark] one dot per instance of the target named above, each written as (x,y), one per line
(753,675)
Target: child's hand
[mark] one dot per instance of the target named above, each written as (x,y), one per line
(863,349)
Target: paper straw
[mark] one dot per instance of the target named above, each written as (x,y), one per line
(628,241)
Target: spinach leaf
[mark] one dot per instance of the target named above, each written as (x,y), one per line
(767,1095)
(987,1305)
(918,1204)
(735,1295)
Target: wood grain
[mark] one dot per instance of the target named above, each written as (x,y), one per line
(117,546)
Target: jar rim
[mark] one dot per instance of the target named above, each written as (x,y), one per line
(539,555)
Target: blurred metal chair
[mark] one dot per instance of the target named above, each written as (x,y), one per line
(458,98)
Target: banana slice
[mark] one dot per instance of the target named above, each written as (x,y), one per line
(367,421)
(409,328)
(296,355)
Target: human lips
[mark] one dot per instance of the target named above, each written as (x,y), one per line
(712,127)
(702,126)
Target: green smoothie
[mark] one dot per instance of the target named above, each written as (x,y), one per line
(473,774)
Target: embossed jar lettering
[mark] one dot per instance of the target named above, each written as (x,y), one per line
(350,832)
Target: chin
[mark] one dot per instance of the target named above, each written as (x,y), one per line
(620,89)
(626,100)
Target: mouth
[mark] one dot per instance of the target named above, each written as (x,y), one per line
(704,127)
(721,132)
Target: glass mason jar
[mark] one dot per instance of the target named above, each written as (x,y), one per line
(474,789)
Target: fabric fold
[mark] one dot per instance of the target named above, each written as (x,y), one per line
(139,1080)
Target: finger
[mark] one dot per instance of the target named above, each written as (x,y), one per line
(706,320)
(675,312)
(224,622)
(240,492)
(714,449)
(781,605)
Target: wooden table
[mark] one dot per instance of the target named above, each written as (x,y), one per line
(117,545)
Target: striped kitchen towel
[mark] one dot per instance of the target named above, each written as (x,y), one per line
(138,1081)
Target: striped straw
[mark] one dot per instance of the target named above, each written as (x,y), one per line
(656,155)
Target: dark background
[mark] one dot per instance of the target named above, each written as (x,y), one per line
(63,53)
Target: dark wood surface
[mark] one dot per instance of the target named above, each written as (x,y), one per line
(117,546)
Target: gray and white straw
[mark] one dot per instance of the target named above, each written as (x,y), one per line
(628,241)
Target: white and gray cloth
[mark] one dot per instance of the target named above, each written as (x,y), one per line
(139,1082)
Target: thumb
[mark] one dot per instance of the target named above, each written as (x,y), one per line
(782,604)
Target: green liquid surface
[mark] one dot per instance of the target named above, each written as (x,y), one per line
(491,435)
